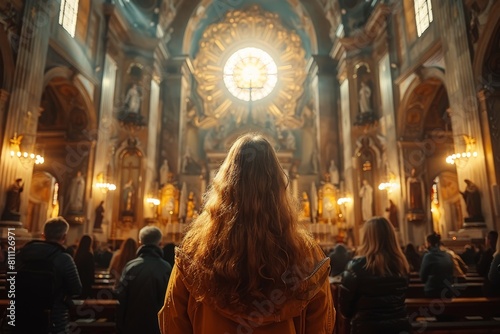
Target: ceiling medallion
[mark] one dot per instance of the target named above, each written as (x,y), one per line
(249,69)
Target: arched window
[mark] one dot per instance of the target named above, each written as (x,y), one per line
(423,15)
(68,13)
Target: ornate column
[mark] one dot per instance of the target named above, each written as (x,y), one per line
(23,109)
(328,115)
(460,85)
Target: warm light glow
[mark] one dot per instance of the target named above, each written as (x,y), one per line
(104,183)
(250,74)
(460,157)
(24,157)
(344,200)
(153,201)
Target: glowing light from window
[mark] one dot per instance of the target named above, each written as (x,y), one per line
(250,74)
(68,13)
(423,15)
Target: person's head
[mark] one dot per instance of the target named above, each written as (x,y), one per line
(339,258)
(150,235)
(251,187)
(19,180)
(491,239)
(381,249)
(433,240)
(55,230)
(410,249)
(84,246)
(129,246)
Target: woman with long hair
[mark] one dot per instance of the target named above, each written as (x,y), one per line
(373,289)
(127,252)
(84,260)
(245,264)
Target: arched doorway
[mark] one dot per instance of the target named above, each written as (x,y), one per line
(426,139)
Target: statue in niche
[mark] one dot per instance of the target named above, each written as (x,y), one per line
(334,172)
(189,165)
(415,192)
(306,206)
(365,94)
(164,173)
(290,141)
(13,201)
(472,199)
(128,192)
(133,99)
(190,207)
(99,215)
(366,195)
(76,193)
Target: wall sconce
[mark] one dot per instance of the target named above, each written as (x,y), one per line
(24,156)
(462,157)
(390,185)
(104,183)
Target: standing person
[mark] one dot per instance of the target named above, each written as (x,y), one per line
(142,286)
(494,274)
(126,253)
(436,270)
(84,260)
(373,289)
(366,194)
(246,265)
(67,282)
(484,263)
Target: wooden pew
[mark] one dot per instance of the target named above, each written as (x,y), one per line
(473,289)
(457,315)
(87,316)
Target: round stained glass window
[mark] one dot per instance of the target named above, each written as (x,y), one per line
(250,74)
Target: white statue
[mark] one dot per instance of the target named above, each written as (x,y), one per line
(365,94)
(164,173)
(366,194)
(334,172)
(133,99)
(76,193)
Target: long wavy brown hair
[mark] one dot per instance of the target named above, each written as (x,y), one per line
(384,256)
(128,250)
(247,238)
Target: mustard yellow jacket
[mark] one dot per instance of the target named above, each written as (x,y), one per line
(312,313)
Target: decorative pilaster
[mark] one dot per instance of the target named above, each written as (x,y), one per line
(460,85)
(23,107)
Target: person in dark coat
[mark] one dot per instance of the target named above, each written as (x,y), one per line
(84,260)
(373,288)
(142,286)
(68,283)
(436,270)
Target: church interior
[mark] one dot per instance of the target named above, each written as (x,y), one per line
(117,114)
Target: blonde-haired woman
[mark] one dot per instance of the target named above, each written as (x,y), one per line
(373,288)
(246,265)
